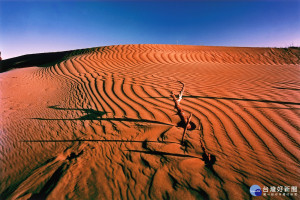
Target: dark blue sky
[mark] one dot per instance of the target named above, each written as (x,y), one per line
(40,26)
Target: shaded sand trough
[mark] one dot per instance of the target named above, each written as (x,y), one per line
(100,123)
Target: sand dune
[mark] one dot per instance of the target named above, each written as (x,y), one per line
(100,123)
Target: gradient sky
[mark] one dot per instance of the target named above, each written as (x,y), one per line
(41,26)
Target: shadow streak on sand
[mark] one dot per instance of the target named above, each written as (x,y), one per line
(50,184)
(97,115)
(161,153)
(90,113)
(95,140)
(89,117)
(237,99)
(209,166)
(277,108)
(282,88)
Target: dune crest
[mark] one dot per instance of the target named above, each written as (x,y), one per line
(101,122)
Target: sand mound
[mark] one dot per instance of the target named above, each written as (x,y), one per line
(100,123)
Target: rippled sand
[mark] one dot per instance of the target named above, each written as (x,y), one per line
(100,123)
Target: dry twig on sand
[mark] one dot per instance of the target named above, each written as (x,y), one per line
(186,123)
(181,93)
(181,114)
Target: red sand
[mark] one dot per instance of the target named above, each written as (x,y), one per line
(100,123)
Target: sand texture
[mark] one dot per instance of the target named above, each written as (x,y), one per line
(100,123)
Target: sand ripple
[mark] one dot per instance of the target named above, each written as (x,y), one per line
(100,123)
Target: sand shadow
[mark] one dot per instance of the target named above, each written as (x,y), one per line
(91,117)
(161,153)
(40,59)
(182,125)
(98,140)
(236,99)
(91,114)
(277,108)
(283,88)
(208,163)
(51,183)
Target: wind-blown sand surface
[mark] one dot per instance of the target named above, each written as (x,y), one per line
(100,123)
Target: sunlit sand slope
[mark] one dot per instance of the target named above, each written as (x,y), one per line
(100,123)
